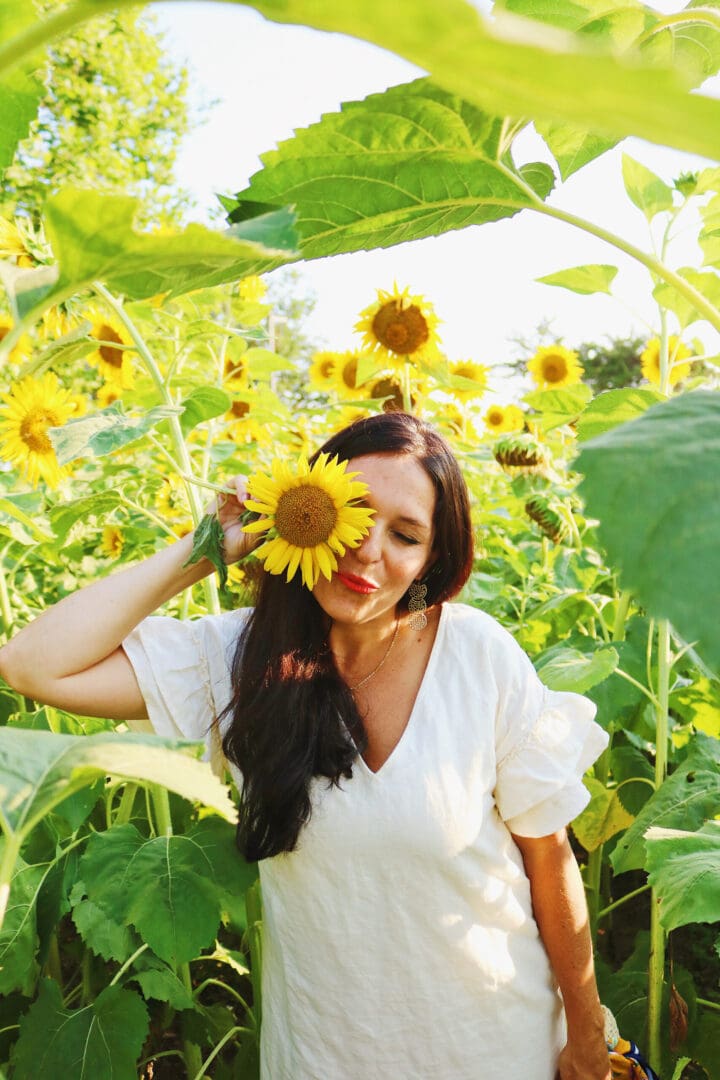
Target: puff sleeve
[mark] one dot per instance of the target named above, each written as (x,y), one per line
(183,671)
(546,740)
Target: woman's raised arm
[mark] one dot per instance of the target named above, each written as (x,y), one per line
(71,655)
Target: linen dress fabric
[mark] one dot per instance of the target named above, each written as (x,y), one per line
(400,942)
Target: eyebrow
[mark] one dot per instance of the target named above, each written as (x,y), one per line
(414,522)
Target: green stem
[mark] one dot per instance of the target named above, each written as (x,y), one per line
(53,965)
(595,858)
(216,1050)
(128,963)
(224,986)
(146,512)
(191,1051)
(11,852)
(623,899)
(407,396)
(5,605)
(708,1004)
(161,808)
(656,967)
(696,16)
(621,612)
(253,904)
(127,801)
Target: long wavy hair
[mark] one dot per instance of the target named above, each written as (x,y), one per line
(293,716)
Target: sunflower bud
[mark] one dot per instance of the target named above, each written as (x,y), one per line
(548,514)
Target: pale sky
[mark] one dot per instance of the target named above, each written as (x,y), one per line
(268,79)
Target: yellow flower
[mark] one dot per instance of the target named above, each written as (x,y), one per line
(475,374)
(112,542)
(399,326)
(345,375)
(171,499)
(56,322)
(457,422)
(554,366)
(348,415)
(309,515)
(112,357)
(502,418)
(79,404)
(106,394)
(677,353)
(13,246)
(252,289)
(390,388)
(322,369)
(21,349)
(235,373)
(33,406)
(243,427)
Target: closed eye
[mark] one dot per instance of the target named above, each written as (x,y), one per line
(406,539)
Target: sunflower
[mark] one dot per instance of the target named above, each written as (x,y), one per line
(554,366)
(390,388)
(322,370)
(21,349)
(520,454)
(677,353)
(474,376)
(252,289)
(13,245)
(235,373)
(33,406)
(502,418)
(106,394)
(79,404)
(457,422)
(345,375)
(113,541)
(347,415)
(399,327)
(112,356)
(308,515)
(550,515)
(56,322)
(243,425)
(171,499)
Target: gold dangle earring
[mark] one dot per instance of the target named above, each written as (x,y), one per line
(417,605)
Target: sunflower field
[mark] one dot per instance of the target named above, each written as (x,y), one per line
(140,369)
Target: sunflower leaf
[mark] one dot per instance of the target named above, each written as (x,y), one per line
(411,162)
(208,544)
(654,485)
(20,91)
(105,431)
(586,280)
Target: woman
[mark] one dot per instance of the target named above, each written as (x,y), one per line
(406,787)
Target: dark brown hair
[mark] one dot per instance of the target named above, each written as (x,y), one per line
(293,716)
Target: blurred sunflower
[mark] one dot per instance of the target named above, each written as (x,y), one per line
(171,498)
(475,378)
(106,394)
(322,370)
(252,289)
(456,422)
(56,322)
(79,404)
(33,406)
(677,353)
(13,245)
(243,425)
(112,356)
(345,375)
(554,366)
(347,415)
(235,373)
(308,516)
(390,388)
(113,541)
(399,327)
(21,349)
(502,418)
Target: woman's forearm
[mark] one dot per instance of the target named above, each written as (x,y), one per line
(90,624)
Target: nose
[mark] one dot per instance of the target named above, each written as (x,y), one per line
(370,547)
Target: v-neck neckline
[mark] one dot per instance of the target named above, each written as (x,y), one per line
(376,774)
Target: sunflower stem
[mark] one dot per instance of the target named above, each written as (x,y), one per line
(180,449)
(407,396)
(5,606)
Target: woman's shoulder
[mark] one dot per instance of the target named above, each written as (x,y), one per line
(220,630)
(474,632)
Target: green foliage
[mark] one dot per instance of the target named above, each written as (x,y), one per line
(411,162)
(613,408)
(570,669)
(102,1039)
(208,544)
(112,115)
(20,90)
(586,280)
(104,432)
(684,868)
(654,485)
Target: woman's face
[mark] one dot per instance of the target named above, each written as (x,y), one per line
(372,578)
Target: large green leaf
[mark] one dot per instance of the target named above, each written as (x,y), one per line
(685,870)
(102,1040)
(654,485)
(105,431)
(706,282)
(107,937)
(649,193)
(689,797)
(586,280)
(38,770)
(172,889)
(522,68)
(20,90)
(570,669)
(411,162)
(614,407)
(18,935)
(602,818)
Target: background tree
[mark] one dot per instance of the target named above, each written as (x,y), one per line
(112,118)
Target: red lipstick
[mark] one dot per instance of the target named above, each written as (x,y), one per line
(357,584)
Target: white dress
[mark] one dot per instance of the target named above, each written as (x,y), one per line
(400,942)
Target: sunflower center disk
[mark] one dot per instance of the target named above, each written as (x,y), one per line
(403,330)
(305,516)
(554,369)
(111,356)
(33,430)
(240,409)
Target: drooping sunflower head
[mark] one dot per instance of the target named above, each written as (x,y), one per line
(554,366)
(677,357)
(31,407)
(550,515)
(308,516)
(501,418)
(112,355)
(469,380)
(520,453)
(399,326)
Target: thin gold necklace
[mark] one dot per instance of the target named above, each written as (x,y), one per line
(375,670)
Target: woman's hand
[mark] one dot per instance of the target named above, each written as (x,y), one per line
(586,1059)
(230,507)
